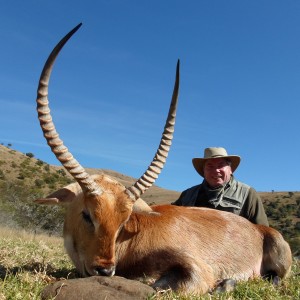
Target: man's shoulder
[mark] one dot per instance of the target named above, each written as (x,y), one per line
(248,191)
(240,183)
(237,191)
(251,190)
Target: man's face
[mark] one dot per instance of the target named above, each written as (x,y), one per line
(217,172)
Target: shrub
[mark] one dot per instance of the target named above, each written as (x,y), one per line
(61,172)
(18,202)
(39,182)
(39,162)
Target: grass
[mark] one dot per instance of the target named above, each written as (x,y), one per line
(29,262)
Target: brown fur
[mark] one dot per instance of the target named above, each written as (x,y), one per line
(184,248)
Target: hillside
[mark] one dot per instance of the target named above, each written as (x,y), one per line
(16,165)
(24,178)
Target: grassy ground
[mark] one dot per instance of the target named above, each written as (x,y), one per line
(29,262)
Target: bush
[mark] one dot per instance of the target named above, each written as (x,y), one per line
(297,226)
(18,202)
(61,172)
(295,245)
(39,182)
(39,162)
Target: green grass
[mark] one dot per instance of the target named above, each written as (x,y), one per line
(29,262)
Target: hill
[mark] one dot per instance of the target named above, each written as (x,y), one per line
(24,178)
(25,167)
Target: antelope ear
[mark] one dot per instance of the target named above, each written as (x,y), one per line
(63,196)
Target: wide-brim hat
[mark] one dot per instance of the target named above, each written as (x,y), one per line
(215,152)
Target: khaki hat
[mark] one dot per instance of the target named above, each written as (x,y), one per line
(215,152)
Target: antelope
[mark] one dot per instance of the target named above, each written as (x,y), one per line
(109,230)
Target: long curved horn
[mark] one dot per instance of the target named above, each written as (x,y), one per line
(57,146)
(159,160)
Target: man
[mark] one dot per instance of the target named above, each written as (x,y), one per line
(220,190)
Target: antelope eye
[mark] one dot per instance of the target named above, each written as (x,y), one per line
(87,218)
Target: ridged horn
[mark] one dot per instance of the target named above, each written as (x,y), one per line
(159,160)
(57,146)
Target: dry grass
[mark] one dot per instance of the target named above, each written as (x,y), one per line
(29,262)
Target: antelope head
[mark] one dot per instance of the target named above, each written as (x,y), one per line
(98,207)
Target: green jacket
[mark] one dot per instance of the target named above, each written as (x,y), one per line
(236,197)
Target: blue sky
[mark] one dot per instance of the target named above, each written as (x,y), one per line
(112,83)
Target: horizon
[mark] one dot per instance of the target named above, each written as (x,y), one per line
(28,154)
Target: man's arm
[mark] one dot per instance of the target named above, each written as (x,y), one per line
(253,209)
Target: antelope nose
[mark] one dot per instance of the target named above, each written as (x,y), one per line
(105,271)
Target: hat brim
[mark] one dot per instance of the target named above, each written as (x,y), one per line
(198,163)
